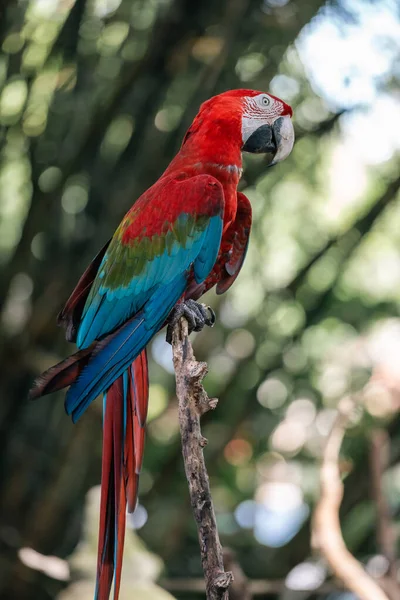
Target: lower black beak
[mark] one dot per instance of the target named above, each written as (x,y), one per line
(262,141)
(276,139)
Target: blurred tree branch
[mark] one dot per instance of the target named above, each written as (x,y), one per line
(326,530)
(235,12)
(386,535)
(194,402)
(347,239)
(68,38)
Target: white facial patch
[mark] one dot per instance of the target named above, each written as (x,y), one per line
(259,110)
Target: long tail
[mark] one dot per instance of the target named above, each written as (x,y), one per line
(107,366)
(124,418)
(125,414)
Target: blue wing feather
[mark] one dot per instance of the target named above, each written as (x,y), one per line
(209,250)
(109,308)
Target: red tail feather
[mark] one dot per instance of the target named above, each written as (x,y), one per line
(105,558)
(141,399)
(123,444)
(141,379)
(116,397)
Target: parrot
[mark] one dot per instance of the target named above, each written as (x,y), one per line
(186,234)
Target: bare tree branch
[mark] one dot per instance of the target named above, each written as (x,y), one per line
(386,535)
(326,532)
(194,402)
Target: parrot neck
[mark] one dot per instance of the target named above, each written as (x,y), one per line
(213,147)
(211,144)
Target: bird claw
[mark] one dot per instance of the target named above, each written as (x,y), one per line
(196,314)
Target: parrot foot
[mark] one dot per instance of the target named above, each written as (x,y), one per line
(196,314)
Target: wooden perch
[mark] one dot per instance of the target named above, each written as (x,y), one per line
(326,532)
(194,402)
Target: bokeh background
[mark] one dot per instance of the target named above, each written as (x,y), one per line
(95,97)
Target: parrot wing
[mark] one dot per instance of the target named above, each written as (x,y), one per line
(174,228)
(235,242)
(159,238)
(231,255)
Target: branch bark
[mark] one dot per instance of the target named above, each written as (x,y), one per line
(326,532)
(194,402)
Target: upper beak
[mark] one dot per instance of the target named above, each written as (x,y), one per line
(276,139)
(284,136)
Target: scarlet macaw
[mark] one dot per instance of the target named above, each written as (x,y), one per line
(185,234)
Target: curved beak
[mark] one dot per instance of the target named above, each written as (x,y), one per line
(276,139)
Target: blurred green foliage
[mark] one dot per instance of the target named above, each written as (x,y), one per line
(95,97)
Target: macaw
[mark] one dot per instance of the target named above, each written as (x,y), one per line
(188,232)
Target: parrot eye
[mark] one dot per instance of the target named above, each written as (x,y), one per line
(265,101)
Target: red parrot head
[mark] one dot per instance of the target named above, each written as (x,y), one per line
(267,126)
(252,121)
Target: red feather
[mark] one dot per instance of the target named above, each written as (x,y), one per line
(105,556)
(134,444)
(123,445)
